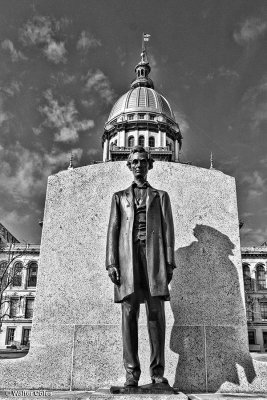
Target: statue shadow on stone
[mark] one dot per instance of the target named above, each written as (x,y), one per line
(209,331)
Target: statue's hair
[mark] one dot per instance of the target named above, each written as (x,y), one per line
(139,149)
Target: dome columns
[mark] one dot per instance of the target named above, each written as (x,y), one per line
(176,151)
(106,150)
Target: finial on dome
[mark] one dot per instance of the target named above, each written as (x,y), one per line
(71,162)
(211,160)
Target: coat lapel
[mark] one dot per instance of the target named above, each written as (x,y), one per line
(151,194)
(129,196)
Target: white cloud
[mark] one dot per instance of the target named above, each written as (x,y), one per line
(98,82)
(4,115)
(87,41)
(247,214)
(250,30)
(17,177)
(256,236)
(121,55)
(255,104)
(88,103)
(221,72)
(182,121)
(256,184)
(12,89)
(56,159)
(56,52)
(14,54)
(63,119)
(23,173)
(62,78)
(40,31)
(92,151)
(13,218)
(36,31)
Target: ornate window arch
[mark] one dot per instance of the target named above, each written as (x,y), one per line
(32,274)
(151,141)
(17,273)
(141,141)
(260,277)
(247,277)
(130,141)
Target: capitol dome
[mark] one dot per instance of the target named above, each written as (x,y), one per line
(141,99)
(142,117)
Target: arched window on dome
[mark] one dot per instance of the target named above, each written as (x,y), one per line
(151,141)
(247,277)
(141,141)
(260,277)
(131,141)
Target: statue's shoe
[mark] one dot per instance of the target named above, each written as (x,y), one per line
(131,382)
(159,379)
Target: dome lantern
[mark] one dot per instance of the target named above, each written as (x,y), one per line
(142,70)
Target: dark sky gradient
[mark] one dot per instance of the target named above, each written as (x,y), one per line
(64,63)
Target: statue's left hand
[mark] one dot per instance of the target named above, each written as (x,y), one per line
(114,274)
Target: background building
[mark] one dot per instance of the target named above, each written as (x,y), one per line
(18,278)
(254,260)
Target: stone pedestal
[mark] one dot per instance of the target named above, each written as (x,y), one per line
(76,335)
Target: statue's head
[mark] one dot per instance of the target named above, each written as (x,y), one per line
(139,162)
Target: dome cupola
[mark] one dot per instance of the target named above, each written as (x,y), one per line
(142,70)
(143,117)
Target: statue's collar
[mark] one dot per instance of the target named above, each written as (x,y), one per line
(145,185)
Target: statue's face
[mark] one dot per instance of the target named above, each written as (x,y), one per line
(139,165)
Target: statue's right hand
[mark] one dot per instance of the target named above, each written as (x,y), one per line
(113,273)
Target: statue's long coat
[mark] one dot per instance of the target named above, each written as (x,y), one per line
(159,241)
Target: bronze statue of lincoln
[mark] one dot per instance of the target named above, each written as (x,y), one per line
(140,262)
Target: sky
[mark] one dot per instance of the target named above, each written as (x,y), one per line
(64,64)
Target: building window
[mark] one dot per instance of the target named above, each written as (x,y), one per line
(151,141)
(131,141)
(29,308)
(25,339)
(246,277)
(10,335)
(249,312)
(3,275)
(264,334)
(13,307)
(141,141)
(130,117)
(17,274)
(260,276)
(152,117)
(141,116)
(263,311)
(32,274)
(251,337)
